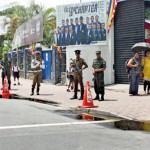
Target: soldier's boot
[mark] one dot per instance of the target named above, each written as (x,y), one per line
(102,97)
(37,91)
(81,98)
(74,97)
(97,97)
(32,91)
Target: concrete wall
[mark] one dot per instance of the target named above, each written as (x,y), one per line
(88,53)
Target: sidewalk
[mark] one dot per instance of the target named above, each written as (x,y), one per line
(117,99)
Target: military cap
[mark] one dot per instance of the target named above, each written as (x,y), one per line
(77,51)
(98,52)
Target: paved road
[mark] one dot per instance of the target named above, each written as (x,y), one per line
(26,125)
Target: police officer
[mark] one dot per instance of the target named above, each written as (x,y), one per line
(99,65)
(6,69)
(80,64)
(37,65)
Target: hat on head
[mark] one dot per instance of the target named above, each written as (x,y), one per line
(98,52)
(77,51)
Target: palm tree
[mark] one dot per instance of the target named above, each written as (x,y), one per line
(20,14)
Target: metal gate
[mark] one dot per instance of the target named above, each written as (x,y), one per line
(128,30)
(47,57)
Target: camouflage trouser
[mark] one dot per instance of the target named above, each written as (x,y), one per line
(37,79)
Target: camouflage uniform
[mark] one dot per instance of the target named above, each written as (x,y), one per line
(99,63)
(37,65)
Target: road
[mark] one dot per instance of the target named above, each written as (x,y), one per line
(26,125)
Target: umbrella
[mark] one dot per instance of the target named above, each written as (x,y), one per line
(142,46)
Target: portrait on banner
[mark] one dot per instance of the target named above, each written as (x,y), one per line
(82,23)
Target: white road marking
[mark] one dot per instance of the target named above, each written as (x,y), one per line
(54,124)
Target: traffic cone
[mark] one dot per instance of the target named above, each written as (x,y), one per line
(5,90)
(87,117)
(87,99)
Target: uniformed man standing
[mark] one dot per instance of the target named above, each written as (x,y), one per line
(37,65)
(99,65)
(80,64)
(6,70)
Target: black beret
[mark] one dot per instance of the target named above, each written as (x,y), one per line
(77,51)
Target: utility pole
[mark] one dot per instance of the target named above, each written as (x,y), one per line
(80,1)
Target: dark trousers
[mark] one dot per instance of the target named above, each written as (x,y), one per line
(146,85)
(99,89)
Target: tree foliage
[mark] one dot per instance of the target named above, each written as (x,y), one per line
(20,14)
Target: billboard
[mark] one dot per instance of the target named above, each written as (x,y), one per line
(4,24)
(29,32)
(82,23)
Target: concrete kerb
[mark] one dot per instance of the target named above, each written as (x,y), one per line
(120,122)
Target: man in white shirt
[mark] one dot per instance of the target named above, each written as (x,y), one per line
(16,70)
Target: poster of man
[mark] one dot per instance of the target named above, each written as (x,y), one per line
(82,23)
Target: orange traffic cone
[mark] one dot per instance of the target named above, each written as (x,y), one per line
(87,99)
(5,90)
(87,117)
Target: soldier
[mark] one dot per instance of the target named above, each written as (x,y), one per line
(6,70)
(99,65)
(37,65)
(79,63)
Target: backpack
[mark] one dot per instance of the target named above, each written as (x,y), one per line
(126,66)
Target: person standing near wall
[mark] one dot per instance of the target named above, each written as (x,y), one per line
(80,65)
(134,74)
(6,70)
(37,65)
(99,66)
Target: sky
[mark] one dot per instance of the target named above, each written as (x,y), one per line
(54,3)
(46,3)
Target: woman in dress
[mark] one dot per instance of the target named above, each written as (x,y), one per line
(134,74)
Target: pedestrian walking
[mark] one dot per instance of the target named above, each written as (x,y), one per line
(6,70)
(80,65)
(16,70)
(134,74)
(99,66)
(146,72)
(37,65)
(70,76)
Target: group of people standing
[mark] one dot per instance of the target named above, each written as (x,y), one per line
(139,68)
(75,75)
(8,69)
(78,32)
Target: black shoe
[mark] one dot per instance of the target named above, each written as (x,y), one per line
(15,84)
(102,98)
(68,90)
(81,98)
(18,83)
(75,97)
(38,93)
(31,94)
(96,98)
